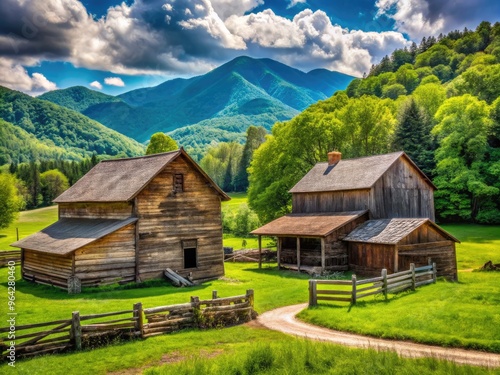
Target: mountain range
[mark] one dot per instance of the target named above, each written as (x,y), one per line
(218,106)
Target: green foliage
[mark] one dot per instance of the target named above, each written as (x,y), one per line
(70,134)
(240,222)
(255,137)
(78,98)
(393,91)
(160,142)
(221,162)
(53,183)
(10,201)
(466,175)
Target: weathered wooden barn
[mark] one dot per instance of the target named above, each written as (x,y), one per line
(331,206)
(128,220)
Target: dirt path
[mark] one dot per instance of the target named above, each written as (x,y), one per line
(283,319)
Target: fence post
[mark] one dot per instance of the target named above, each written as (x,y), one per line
(76,330)
(139,321)
(353,298)
(250,296)
(313,301)
(413,278)
(434,272)
(384,281)
(195,303)
(214,294)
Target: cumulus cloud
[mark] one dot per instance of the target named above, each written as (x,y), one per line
(15,76)
(177,37)
(96,85)
(114,81)
(419,18)
(295,2)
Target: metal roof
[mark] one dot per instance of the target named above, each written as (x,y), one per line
(68,235)
(316,225)
(120,180)
(390,231)
(350,174)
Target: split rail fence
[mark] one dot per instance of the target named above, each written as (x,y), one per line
(354,289)
(89,331)
(9,256)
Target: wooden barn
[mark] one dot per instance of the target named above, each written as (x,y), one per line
(128,220)
(331,205)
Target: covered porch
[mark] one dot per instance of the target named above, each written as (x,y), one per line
(312,242)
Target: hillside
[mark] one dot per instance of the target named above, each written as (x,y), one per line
(438,101)
(224,101)
(78,98)
(35,128)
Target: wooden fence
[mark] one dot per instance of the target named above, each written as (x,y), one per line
(354,289)
(9,256)
(89,331)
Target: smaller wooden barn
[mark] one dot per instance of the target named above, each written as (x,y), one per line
(129,220)
(395,243)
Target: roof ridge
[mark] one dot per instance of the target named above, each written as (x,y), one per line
(142,157)
(366,157)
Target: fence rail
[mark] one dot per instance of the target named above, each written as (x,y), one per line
(355,289)
(88,331)
(9,256)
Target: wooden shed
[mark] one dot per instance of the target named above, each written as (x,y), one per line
(388,185)
(128,220)
(313,242)
(395,243)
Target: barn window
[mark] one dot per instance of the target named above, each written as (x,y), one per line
(178,183)
(190,248)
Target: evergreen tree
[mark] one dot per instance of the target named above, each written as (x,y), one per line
(255,137)
(228,176)
(413,136)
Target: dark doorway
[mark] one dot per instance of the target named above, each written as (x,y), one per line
(190,257)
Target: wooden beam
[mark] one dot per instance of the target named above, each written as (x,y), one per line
(323,263)
(260,251)
(298,254)
(396,260)
(278,255)
(135,213)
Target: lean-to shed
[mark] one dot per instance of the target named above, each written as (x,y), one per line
(128,220)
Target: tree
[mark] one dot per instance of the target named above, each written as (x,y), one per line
(255,137)
(468,183)
(160,142)
(393,91)
(53,183)
(413,136)
(10,200)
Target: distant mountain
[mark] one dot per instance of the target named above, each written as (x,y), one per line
(78,98)
(37,128)
(221,103)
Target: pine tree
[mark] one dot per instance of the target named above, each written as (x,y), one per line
(255,137)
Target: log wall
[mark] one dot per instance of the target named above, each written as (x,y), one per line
(368,259)
(108,260)
(47,268)
(334,201)
(167,218)
(119,210)
(401,192)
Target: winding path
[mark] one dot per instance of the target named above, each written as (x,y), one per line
(283,320)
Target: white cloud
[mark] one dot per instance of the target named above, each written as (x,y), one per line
(227,8)
(14,76)
(114,81)
(295,2)
(96,85)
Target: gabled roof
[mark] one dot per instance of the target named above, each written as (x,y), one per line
(68,235)
(316,225)
(390,231)
(350,174)
(120,180)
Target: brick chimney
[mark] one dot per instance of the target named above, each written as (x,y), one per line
(334,157)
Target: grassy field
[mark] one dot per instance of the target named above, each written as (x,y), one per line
(455,314)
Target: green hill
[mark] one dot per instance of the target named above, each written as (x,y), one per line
(35,128)
(241,92)
(78,98)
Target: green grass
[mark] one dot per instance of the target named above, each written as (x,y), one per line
(237,199)
(28,223)
(461,314)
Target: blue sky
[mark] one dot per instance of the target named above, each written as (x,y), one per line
(114,46)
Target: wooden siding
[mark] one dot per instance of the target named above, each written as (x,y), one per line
(368,259)
(335,201)
(166,218)
(47,268)
(108,260)
(401,192)
(442,253)
(120,210)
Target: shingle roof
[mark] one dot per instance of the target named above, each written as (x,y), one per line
(120,180)
(389,231)
(349,174)
(317,224)
(68,235)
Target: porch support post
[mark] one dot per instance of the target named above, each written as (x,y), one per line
(298,254)
(260,251)
(323,263)
(278,252)
(396,259)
